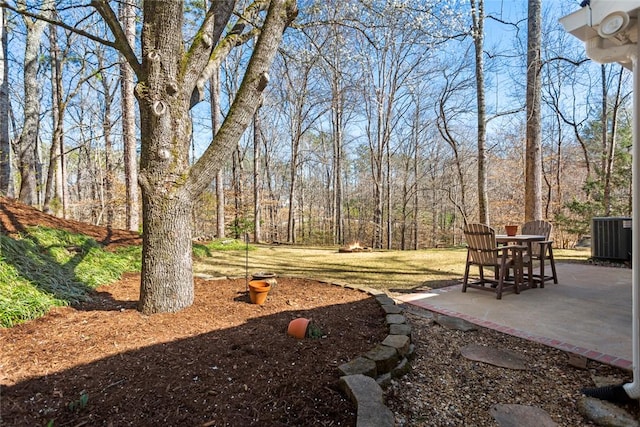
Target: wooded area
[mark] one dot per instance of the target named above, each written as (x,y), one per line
(386,123)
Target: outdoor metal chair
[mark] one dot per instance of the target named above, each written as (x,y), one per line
(483,251)
(544,250)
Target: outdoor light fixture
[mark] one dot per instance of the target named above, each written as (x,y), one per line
(607,28)
(610,33)
(613,24)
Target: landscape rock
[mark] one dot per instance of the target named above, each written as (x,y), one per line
(359,365)
(374,416)
(509,415)
(494,356)
(391,309)
(386,358)
(399,342)
(577,361)
(360,388)
(606,414)
(455,323)
(400,329)
(385,300)
(395,319)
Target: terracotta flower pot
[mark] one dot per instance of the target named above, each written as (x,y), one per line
(258,291)
(511,230)
(298,327)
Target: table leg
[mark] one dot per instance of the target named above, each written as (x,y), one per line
(530,266)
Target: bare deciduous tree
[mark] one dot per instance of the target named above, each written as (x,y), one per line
(127,15)
(28,142)
(477,18)
(5,106)
(171,78)
(533,174)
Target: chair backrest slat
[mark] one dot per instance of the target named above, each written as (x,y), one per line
(481,242)
(538,227)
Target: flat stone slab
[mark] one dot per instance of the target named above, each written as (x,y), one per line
(361,389)
(386,358)
(367,394)
(508,415)
(400,329)
(577,361)
(455,323)
(494,356)
(605,413)
(374,416)
(391,309)
(385,300)
(399,342)
(359,365)
(395,319)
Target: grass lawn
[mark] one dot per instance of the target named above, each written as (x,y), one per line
(390,270)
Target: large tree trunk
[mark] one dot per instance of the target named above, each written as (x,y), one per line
(165,129)
(533,178)
(167,279)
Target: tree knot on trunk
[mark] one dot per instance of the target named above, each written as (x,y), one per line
(171,88)
(153,56)
(159,108)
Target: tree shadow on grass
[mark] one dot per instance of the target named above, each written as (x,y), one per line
(35,263)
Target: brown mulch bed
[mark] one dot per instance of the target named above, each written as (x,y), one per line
(222,361)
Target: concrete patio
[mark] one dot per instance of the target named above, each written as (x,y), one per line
(588,312)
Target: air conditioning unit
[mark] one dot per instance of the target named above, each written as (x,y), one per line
(611,238)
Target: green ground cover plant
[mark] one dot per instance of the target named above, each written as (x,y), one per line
(45,267)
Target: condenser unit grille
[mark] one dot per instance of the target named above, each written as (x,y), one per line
(611,238)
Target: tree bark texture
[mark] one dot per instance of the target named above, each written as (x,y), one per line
(477,11)
(609,144)
(6,188)
(54,186)
(167,280)
(214,87)
(127,17)
(337,102)
(27,144)
(533,169)
(257,182)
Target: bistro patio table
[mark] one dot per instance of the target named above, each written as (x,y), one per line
(523,239)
